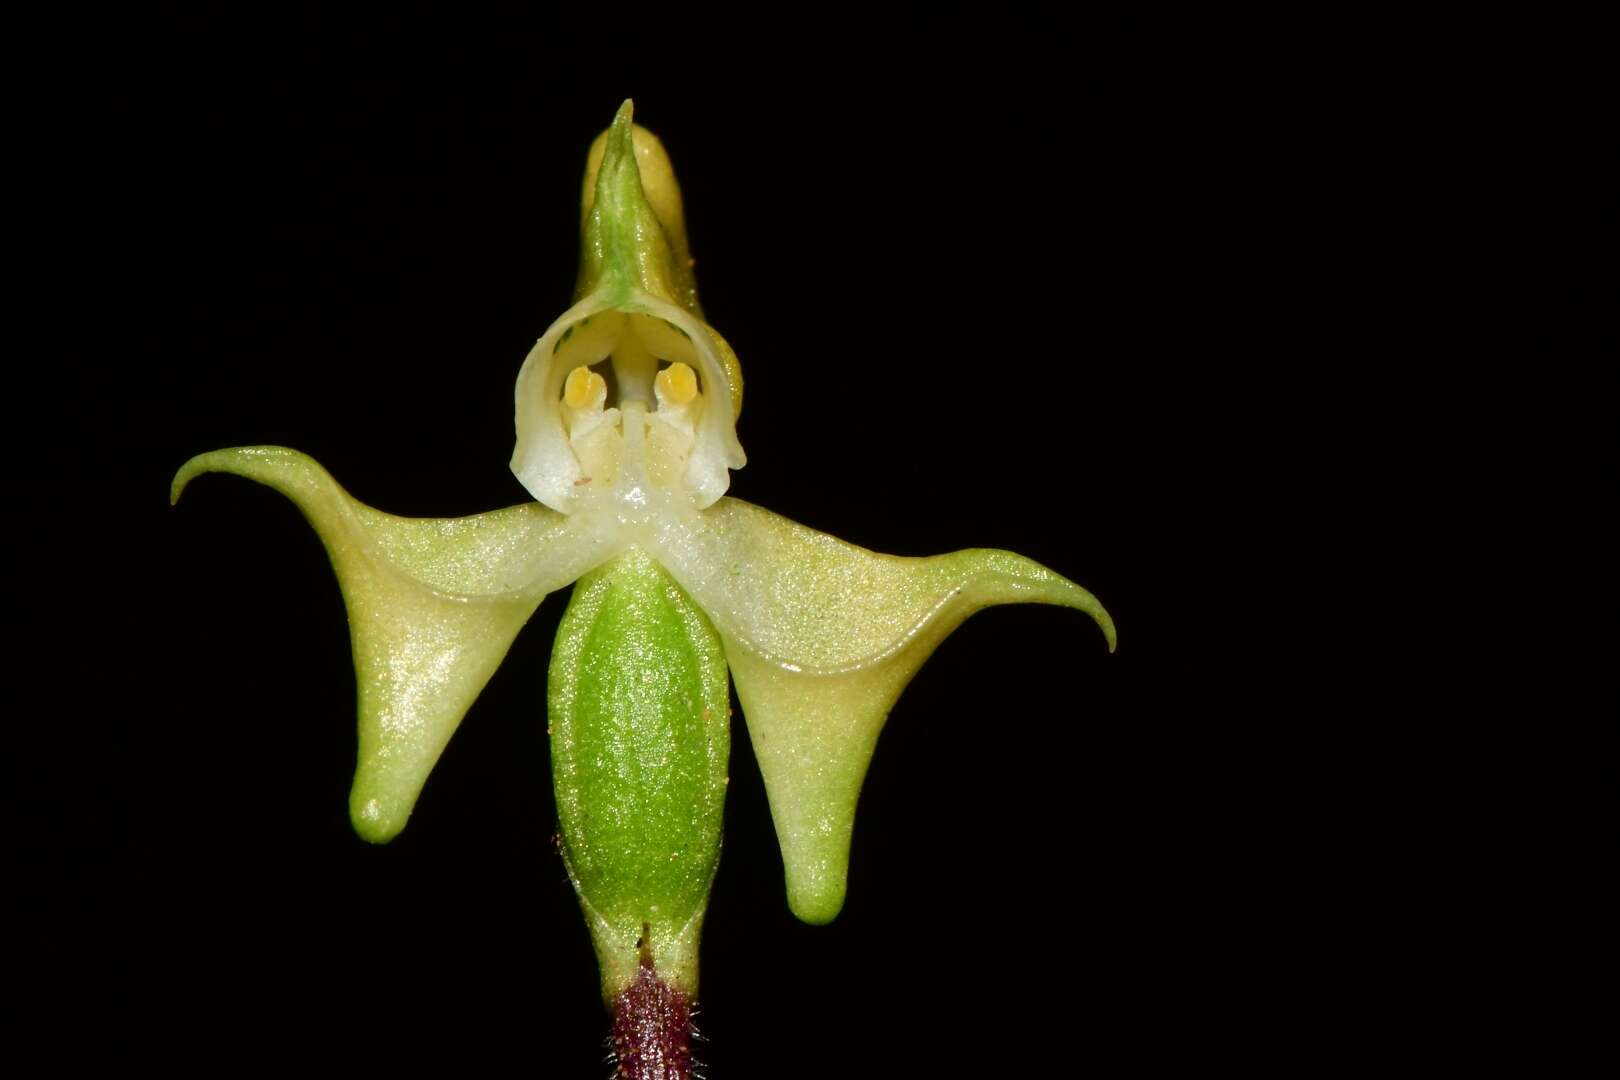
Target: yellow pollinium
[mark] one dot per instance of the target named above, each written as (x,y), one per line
(583,387)
(676,384)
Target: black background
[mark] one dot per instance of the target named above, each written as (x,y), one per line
(1138,299)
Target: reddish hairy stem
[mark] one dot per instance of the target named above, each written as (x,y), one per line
(652,1028)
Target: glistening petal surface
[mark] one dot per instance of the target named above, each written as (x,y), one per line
(821,637)
(433,604)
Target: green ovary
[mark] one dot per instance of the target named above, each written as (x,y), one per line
(639,745)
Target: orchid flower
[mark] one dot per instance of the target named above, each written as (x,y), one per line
(626,416)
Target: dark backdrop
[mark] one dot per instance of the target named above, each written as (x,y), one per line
(1102,293)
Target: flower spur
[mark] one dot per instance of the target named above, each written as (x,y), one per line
(625,413)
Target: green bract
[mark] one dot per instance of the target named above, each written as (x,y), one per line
(626,412)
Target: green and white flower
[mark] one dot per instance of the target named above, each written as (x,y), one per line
(626,434)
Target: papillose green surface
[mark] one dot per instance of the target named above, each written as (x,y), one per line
(640,735)
(676,584)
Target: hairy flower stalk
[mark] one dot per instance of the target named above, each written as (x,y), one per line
(626,415)
(652,1028)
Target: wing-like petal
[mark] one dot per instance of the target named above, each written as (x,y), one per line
(821,637)
(434,604)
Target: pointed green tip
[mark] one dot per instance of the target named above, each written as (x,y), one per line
(239,460)
(183,477)
(626,246)
(1075,597)
(618,169)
